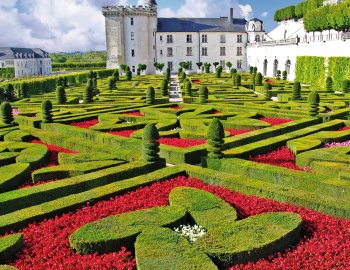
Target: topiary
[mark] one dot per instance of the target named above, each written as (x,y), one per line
(259,79)
(88,92)
(237,80)
(116,75)
(46,111)
(23,90)
(203,94)
(111,83)
(59,81)
(188,89)
(95,86)
(267,91)
(164,87)
(255,70)
(150,144)
(179,71)
(233,71)
(182,76)
(150,96)
(278,74)
(251,69)
(6,113)
(314,102)
(2,97)
(329,85)
(284,75)
(253,80)
(9,92)
(128,75)
(61,95)
(215,139)
(346,86)
(65,82)
(218,72)
(138,72)
(296,91)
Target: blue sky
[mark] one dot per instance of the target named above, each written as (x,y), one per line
(78,25)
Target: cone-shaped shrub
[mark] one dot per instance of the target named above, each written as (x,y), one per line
(203,94)
(150,96)
(59,81)
(168,74)
(237,79)
(111,83)
(65,80)
(255,70)
(6,113)
(329,85)
(251,69)
(296,91)
(218,72)
(267,91)
(46,111)
(150,145)
(88,92)
(215,139)
(61,95)
(23,90)
(233,71)
(95,86)
(314,102)
(284,75)
(128,75)
(253,78)
(116,75)
(164,87)
(346,86)
(2,91)
(259,79)
(188,89)
(182,76)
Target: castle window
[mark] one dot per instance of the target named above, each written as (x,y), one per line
(170,52)
(161,38)
(190,65)
(239,38)
(169,38)
(222,39)
(170,65)
(131,21)
(222,51)
(2,64)
(133,69)
(222,63)
(189,38)
(239,63)
(204,38)
(161,52)
(132,36)
(257,38)
(189,51)
(132,53)
(204,51)
(239,51)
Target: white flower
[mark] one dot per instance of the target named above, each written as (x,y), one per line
(191,233)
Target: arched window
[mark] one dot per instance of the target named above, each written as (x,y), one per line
(257,38)
(288,65)
(265,67)
(275,68)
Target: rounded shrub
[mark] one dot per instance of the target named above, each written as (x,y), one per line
(259,79)
(150,144)
(267,91)
(60,81)
(278,74)
(253,81)
(188,89)
(233,71)
(237,80)
(329,85)
(215,139)
(218,72)
(46,111)
(116,75)
(9,92)
(296,90)
(203,94)
(251,69)
(165,87)
(61,95)
(284,75)
(255,70)
(314,102)
(111,83)
(128,75)
(346,86)
(6,113)
(150,96)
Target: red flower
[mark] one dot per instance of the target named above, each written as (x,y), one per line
(85,124)
(235,132)
(134,114)
(196,81)
(177,108)
(124,133)
(275,121)
(182,143)
(216,112)
(344,128)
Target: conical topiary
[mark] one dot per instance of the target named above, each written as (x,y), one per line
(267,91)
(116,75)
(314,102)
(215,139)
(258,79)
(233,71)
(61,95)
(218,72)
(88,92)
(150,96)
(278,74)
(203,94)
(284,75)
(346,86)
(95,86)
(23,90)
(329,85)
(296,91)
(238,81)
(188,89)
(9,92)
(164,87)
(111,83)
(253,78)
(6,113)
(150,145)
(46,111)
(59,81)
(129,75)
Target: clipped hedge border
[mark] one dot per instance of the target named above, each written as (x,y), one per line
(9,246)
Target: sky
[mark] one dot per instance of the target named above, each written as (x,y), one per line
(78,25)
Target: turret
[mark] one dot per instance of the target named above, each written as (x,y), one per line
(256,31)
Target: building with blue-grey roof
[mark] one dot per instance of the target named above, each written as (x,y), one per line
(25,61)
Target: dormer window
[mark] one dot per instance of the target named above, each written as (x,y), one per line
(131,21)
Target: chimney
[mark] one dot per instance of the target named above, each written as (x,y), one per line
(231,16)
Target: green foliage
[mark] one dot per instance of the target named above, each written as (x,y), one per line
(88,95)
(7,73)
(168,74)
(6,113)
(284,14)
(300,10)
(253,80)
(61,95)
(339,70)
(215,139)
(278,74)
(2,97)
(138,72)
(199,64)
(9,246)
(296,90)
(179,71)
(159,66)
(218,72)
(346,86)
(237,80)
(232,72)
(203,94)
(207,67)
(329,85)
(111,83)
(150,96)
(150,145)
(229,64)
(284,75)
(116,75)
(59,81)
(314,102)
(128,75)
(255,70)
(311,70)
(267,91)
(95,86)
(9,92)
(23,90)
(165,87)
(251,69)
(188,89)
(13,176)
(259,79)
(46,111)
(124,67)
(185,65)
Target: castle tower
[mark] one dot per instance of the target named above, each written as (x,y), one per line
(130,35)
(255,30)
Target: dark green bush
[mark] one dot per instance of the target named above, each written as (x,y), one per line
(253,81)
(278,74)
(95,86)
(203,94)
(111,83)
(9,92)
(284,75)
(215,139)
(233,71)
(150,145)
(150,96)
(218,72)
(128,75)
(267,91)
(259,79)
(88,92)
(165,87)
(116,75)
(61,95)
(46,111)
(23,90)
(346,86)
(314,102)
(296,90)
(188,89)
(329,85)
(6,113)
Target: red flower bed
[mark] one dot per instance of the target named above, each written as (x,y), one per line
(325,242)
(275,121)
(344,128)
(182,143)
(235,132)
(124,133)
(85,124)
(282,157)
(216,112)
(177,108)
(196,81)
(271,82)
(134,114)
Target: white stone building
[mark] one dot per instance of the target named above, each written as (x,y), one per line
(26,62)
(135,35)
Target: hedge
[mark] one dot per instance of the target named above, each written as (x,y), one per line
(339,70)
(9,246)
(13,176)
(311,70)
(7,73)
(79,65)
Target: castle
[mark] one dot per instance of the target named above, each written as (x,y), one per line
(135,35)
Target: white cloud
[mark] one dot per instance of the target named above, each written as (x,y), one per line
(264,14)
(246,11)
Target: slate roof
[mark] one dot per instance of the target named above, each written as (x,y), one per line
(256,20)
(10,53)
(201,25)
(151,3)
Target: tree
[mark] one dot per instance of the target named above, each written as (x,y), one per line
(346,86)
(23,90)
(116,75)
(95,86)
(251,69)
(284,75)
(218,72)
(229,65)
(314,102)
(165,87)
(124,67)
(128,75)
(88,92)
(296,91)
(150,144)
(253,81)
(255,70)
(207,67)
(6,113)
(150,96)
(46,111)
(111,83)
(199,65)
(61,95)
(233,71)
(267,91)
(329,85)
(59,81)
(159,66)
(237,80)
(215,64)
(185,65)
(9,92)
(188,89)
(203,94)
(278,74)
(215,139)
(259,79)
